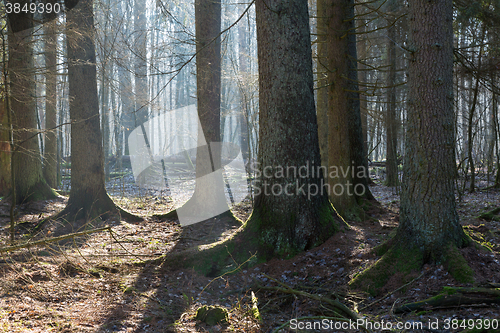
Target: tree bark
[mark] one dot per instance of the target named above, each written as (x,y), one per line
(288,221)
(345,140)
(429,220)
(88,197)
(322,79)
(26,160)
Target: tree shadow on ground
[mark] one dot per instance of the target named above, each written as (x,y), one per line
(165,294)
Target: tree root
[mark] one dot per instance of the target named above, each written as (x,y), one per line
(492,215)
(453,297)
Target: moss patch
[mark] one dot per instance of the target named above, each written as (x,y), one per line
(396,260)
(212,315)
(457,265)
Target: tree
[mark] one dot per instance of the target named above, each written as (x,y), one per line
(288,134)
(50,151)
(88,197)
(391,119)
(292,212)
(4,150)
(322,80)
(346,152)
(429,229)
(26,160)
(208,199)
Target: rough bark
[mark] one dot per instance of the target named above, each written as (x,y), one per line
(292,212)
(288,135)
(26,159)
(88,197)
(429,219)
(429,229)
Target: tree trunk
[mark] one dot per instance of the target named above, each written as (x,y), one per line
(429,220)
(291,212)
(50,152)
(429,229)
(88,197)
(322,80)
(4,150)
(26,159)
(140,63)
(340,103)
(391,119)
(208,199)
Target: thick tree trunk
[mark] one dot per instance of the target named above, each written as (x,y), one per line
(429,220)
(429,229)
(291,212)
(26,163)
(88,197)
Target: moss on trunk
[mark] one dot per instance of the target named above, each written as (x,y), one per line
(399,258)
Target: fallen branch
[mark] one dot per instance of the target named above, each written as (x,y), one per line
(50,240)
(452,297)
(333,302)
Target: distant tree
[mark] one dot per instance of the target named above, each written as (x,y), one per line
(140,63)
(391,119)
(429,229)
(88,197)
(50,151)
(4,150)
(26,160)
(208,199)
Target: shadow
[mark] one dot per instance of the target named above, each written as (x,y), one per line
(165,294)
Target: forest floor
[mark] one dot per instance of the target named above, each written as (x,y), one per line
(100,283)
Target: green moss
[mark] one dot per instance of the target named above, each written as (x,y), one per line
(457,265)
(381,249)
(397,259)
(492,215)
(449,290)
(212,315)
